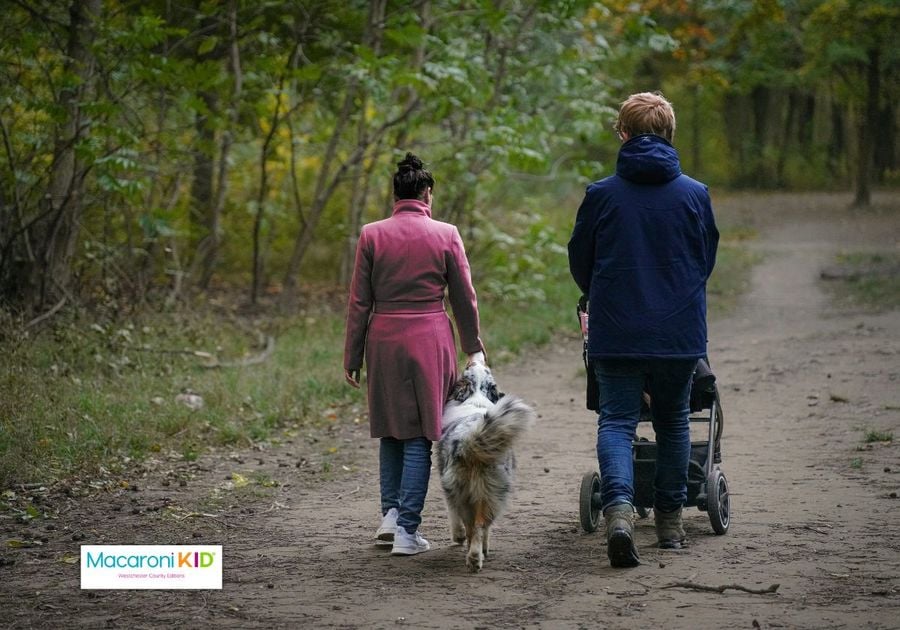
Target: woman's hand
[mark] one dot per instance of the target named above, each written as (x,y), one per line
(352,377)
(475,357)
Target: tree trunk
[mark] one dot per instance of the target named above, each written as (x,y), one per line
(208,252)
(361,175)
(786,138)
(204,168)
(733,112)
(868,127)
(261,198)
(696,109)
(56,236)
(885,152)
(837,143)
(203,152)
(760,99)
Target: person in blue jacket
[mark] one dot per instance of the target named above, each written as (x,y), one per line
(642,248)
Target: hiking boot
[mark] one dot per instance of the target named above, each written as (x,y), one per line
(384,536)
(669,530)
(408,544)
(620,536)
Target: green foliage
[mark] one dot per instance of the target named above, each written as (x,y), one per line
(526,295)
(874,435)
(106,395)
(484,93)
(731,277)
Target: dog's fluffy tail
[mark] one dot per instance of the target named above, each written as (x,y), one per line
(496,432)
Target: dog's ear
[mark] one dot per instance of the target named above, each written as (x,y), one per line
(463,390)
(494,394)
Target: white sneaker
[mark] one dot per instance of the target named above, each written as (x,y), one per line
(384,536)
(408,544)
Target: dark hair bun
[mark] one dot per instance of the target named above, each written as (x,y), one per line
(411,178)
(410,163)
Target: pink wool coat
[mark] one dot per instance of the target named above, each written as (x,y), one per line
(396,319)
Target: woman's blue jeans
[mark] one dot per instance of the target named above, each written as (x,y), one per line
(622,381)
(405,471)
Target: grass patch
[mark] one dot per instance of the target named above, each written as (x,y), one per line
(731,277)
(90,398)
(873,435)
(870,281)
(856,463)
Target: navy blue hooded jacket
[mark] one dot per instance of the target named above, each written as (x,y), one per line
(643,246)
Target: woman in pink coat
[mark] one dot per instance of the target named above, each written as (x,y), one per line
(396,318)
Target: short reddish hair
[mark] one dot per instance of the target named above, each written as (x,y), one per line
(647,112)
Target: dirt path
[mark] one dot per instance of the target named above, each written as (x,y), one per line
(814,509)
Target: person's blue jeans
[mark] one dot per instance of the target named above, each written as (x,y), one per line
(405,471)
(621,382)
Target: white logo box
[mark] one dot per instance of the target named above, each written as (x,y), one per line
(151,566)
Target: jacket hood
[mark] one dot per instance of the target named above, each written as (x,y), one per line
(648,159)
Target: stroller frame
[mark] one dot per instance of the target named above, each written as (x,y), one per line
(707,486)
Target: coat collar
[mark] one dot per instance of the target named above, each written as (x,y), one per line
(412,205)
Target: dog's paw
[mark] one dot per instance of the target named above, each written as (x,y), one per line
(474,561)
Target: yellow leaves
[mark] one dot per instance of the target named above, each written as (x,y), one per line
(263,481)
(267,110)
(17,543)
(311,162)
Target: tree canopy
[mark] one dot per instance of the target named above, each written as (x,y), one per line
(154,148)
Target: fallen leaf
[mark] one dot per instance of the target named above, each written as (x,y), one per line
(70,559)
(15,543)
(239,480)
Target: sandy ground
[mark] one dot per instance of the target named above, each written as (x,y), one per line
(814,508)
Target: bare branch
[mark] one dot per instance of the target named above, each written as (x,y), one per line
(721,589)
(37,320)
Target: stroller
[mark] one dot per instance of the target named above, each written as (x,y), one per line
(707,487)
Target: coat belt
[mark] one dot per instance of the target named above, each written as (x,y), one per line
(436,306)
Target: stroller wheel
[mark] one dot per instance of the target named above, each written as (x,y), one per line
(589,501)
(718,502)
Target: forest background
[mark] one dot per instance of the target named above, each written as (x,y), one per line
(182,182)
